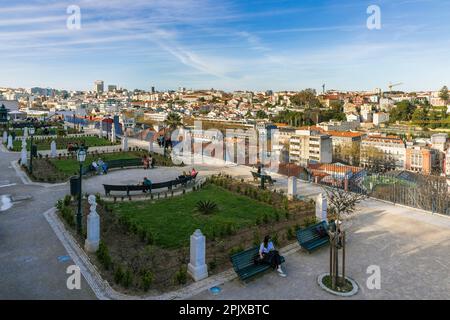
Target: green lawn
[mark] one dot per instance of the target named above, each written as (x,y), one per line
(62,143)
(172,221)
(71,166)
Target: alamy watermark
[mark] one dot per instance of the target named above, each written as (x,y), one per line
(374,280)
(74,280)
(73,21)
(374,20)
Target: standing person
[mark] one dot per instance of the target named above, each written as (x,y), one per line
(153,163)
(145,162)
(94,166)
(270,256)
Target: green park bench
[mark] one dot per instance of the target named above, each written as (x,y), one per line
(255,175)
(311,238)
(244,263)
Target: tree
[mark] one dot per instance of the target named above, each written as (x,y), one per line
(306,98)
(402,111)
(341,204)
(444,94)
(173,121)
(261,114)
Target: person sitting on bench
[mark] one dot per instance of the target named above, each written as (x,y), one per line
(95,166)
(147,183)
(270,256)
(103,166)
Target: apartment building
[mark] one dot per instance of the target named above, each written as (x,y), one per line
(310,145)
(421,159)
(380,117)
(339,125)
(389,150)
(346,146)
(447,164)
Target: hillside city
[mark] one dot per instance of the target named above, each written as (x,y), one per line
(380,130)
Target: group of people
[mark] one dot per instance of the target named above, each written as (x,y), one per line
(185,174)
(148,161)
(100,166)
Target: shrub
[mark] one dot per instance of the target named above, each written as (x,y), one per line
(147,280)
(181,276)
(235,250)
(118,275)
(212,265)
(149,237)
(68,216)
(127,278)
(103,255)
(308,221)
(59,204)
(290,234)
(67,200)
(206,207)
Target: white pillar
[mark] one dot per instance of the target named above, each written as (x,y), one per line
(321,207)
(93,227)
(25,132)
(24,154)
(125,143)
(5,136)
(10,142)
(53,149)
(150,146)
(292,187)
(113,133)
(197,267)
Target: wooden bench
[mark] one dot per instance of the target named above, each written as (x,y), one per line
(244,263)
(270,180)
(310,239)
(128,188)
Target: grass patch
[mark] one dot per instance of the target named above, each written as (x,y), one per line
(172,221)
(63,142)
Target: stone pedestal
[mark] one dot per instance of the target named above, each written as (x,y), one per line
(10,143)
(93,227)
(150,146)
(5,136)
(23,153)
(321,207)
(292,188)
(53,149)
(197,267)
(113,133)
(25,132)
(125,144)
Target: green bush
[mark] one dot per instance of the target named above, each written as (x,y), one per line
(309,221)
(206,207)
(68,216)
(290,234)
(235,250)
(147,280)
(118,275)
(181,276)
(103,256)
(67,200)
(127,278)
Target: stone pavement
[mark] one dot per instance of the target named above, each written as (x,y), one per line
(29,249)
(413,256)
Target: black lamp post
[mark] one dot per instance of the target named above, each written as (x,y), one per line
(81,157)
(31,131)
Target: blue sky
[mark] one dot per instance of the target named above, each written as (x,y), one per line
(225,44)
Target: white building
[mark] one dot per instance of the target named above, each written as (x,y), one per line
(310,146)
(392,149)
(380,117)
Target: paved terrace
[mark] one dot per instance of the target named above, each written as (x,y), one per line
(412,248)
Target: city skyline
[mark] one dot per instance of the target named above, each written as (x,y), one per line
(256,45)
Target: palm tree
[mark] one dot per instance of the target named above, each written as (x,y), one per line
(173,121)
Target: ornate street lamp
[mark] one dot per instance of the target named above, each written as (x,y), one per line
(31,132)
(81,157)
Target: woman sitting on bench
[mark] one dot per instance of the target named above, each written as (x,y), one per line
(147,183)
(270,256)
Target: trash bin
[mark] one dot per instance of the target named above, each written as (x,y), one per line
(74,185)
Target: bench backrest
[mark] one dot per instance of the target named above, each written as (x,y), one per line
(124,163)
(310,233)
(245,258)
(115,188)
(255,174)
(161,185)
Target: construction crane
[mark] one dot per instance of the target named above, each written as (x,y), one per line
(390,86)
